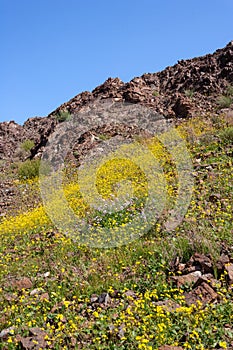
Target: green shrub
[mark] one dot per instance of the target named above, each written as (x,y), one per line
(227,135)
(27,145)
(189,93)
(29,169)
(224,101)
(155,93)
(63,116)
(229,90)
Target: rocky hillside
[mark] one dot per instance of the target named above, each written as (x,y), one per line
(190,87)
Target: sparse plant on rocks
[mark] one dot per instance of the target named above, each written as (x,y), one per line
(29,169)
(63,116)
(189,93)
(27,145)
(229,90)
(155,93)
(224,101)
(227,135)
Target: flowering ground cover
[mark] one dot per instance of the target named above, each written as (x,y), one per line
(59,294)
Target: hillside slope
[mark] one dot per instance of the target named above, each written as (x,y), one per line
(190,87)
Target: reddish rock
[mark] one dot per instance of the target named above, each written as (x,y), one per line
(13,135)
(190,278)
(168,305)
(183,107)
(110,88)
(200,262)
(204,293)
(130,293)
(23,283)
(229,270)
(44,296)
(207,278)
(222,261)
(36,341)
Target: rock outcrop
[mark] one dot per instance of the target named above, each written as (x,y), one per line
(186,89)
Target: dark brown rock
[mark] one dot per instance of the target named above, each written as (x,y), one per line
(229,270)
(13,135)
(110,88)
(201,262)
(222,261)
(203,292)
(183,107)
(207,278)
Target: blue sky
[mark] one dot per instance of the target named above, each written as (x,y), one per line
(51,50)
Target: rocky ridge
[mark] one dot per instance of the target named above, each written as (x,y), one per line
(186,89)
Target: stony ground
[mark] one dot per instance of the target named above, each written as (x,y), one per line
(162,291)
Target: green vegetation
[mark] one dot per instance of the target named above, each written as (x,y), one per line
(24,149)
(189,93)
(103,137)
(225,101)
(227,135)
(155,93)
(27,145)
(29,169)
(229,90)
(63,116)
(62,279)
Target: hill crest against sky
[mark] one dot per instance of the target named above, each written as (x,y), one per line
(53,50)
(190,87)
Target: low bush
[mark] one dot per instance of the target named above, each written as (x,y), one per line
(227,135)
(189,93)
(155,93)
(63,116)
(224,101)
(29,169)
(27,145)
(229,90)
